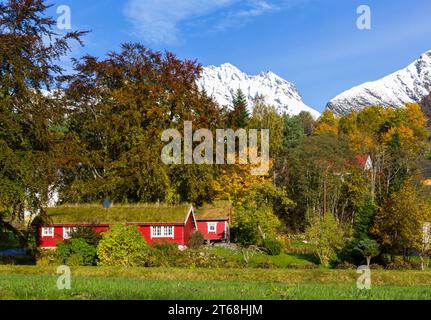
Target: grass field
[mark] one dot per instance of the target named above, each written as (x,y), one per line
(284,260)
(29,282)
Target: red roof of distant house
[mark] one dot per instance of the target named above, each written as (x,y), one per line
(362,160)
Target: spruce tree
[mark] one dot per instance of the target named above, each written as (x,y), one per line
(239,116)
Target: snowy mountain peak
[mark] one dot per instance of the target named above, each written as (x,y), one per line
(223,82)
(410,84)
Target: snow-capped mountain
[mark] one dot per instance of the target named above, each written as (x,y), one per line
(223,82)
(411,84)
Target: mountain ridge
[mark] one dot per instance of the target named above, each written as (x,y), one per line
(411,84)
(223,81)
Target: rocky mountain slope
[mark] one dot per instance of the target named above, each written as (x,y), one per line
(223,82)
(411,84)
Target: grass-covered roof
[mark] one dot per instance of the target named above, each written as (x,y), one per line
(153,213)
(217,210)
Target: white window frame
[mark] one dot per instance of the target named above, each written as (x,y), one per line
(45,232)
(66,234)
(162,232)
(212,225)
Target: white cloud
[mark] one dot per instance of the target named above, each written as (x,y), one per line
(158,21)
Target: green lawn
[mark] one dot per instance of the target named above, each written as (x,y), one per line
(283,260)
(29,282)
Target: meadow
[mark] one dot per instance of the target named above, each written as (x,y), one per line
(115,283)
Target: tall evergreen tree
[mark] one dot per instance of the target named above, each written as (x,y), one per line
(239,116)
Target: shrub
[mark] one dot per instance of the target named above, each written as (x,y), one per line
(46,258)
(196,240)
(193,259)
(326,236)
(163,254)
(122,246)
(273,246)
(346,266)
(265,265)
(88,234)
(399,264)
(76,252)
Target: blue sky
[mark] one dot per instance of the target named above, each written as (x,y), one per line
(313,43)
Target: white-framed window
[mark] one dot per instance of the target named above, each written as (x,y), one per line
(67,231)
(212,227)
(47,232)
(162,232)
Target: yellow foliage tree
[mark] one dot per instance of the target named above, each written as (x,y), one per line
(400,223)
(327,123)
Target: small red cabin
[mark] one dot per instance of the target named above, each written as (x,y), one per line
(156,223)
(213,223)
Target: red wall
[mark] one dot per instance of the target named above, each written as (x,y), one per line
(181,233)
(50,242)
(218,235)
(189,228)
(178,234)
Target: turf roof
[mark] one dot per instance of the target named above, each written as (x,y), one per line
(132,213)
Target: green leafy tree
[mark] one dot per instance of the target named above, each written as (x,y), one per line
(326,236)
(364,219)
(31,143)
(293,131)
(368,248)
(266,117)
(257,214)
(328,181)
(122,246)
(120,107)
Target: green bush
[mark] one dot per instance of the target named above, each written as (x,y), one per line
(273,246)
(88,234)
(122,246)
(326,236)
(196,240)
(75,252)
(193,259)
(346,266)
(399,264)
(163,254)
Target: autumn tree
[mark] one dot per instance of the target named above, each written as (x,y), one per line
(31,110)
(400,223)
(119,108)
(327,123)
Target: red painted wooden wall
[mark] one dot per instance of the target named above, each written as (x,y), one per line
(220,233)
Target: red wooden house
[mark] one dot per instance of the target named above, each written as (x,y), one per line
(213,223)
(156,223)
